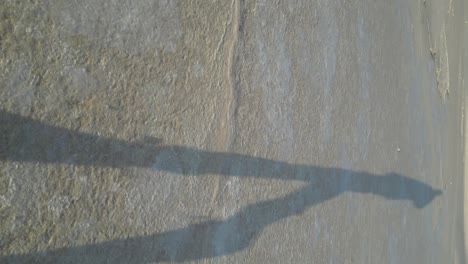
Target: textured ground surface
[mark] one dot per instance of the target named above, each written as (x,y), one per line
(231,132)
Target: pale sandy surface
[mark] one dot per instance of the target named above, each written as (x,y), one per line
(231,132)
(447,23)
(465,108)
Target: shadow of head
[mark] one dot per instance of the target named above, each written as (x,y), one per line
(397,187)
(420,202)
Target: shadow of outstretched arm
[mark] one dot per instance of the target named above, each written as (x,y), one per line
(216,238)
(197,241)
(27,140)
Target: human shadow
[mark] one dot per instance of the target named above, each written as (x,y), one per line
(24,139)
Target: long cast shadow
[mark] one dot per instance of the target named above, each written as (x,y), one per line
(24,139)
